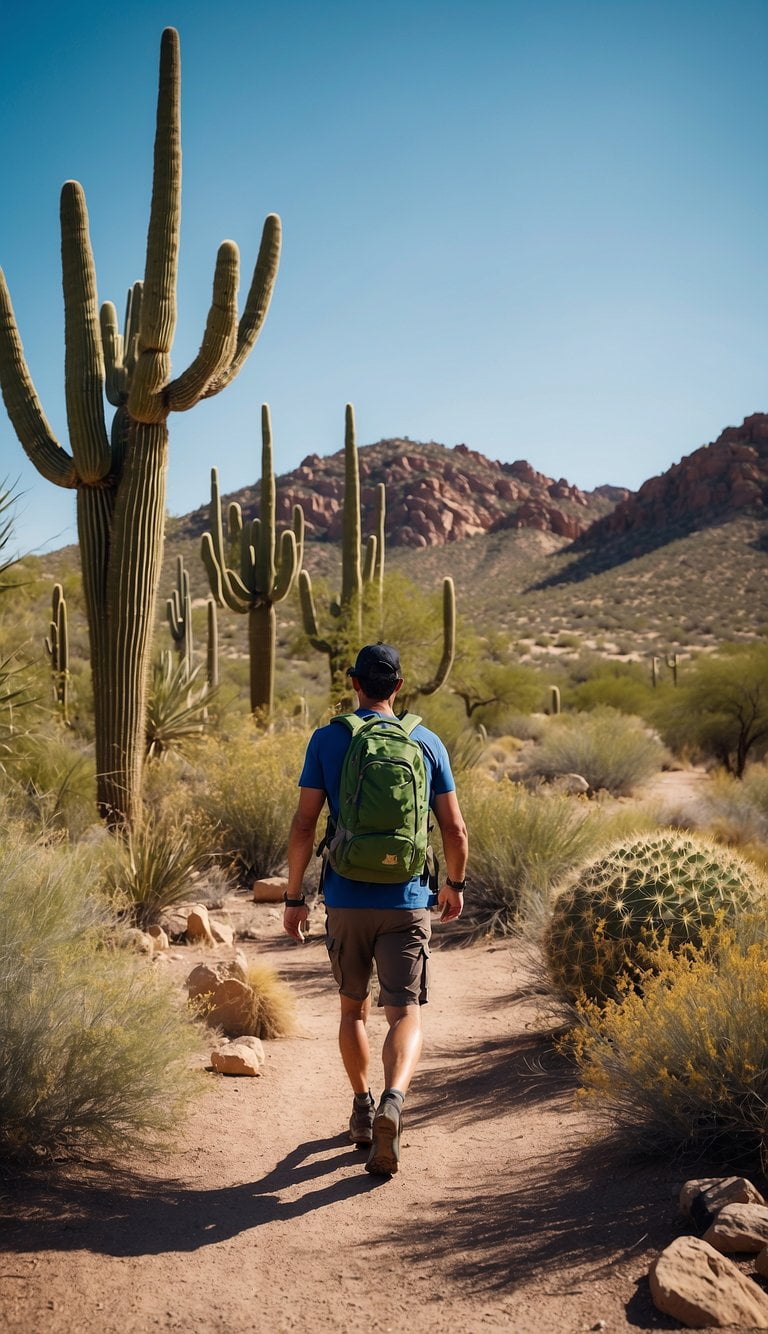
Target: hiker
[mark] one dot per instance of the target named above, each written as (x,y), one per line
(376,884)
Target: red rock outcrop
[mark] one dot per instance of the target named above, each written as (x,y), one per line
(718,479)
(435,495)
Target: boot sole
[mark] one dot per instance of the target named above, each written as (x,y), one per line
(384,1158)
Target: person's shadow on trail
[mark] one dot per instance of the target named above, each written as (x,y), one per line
(133,1216)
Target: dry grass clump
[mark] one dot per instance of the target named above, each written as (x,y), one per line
(681,1064)
(274,1010)
(96,1046)
(522,843)
(50,779)
(248,792)
(611,751)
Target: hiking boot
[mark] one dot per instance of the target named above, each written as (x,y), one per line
(361,1125)
(384,1158)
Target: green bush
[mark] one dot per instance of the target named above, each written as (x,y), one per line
(247,796)
(720,708)
(609,750)
(663,888)
(681,1064)
(96,1047)
(51,781)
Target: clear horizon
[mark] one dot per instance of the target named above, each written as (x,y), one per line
(533,226)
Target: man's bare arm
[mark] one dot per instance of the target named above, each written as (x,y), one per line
(455,846)
(301,840)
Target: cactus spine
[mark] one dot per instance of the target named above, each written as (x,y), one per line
(178,610)
(120,478)
(268,568)
(665,886)
(361,571)
(57,648)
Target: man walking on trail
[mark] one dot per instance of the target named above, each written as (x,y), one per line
(377,920)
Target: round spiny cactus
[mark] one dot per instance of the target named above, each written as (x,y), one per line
(663,888)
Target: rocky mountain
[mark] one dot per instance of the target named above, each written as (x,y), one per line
(435,495)
(721,479)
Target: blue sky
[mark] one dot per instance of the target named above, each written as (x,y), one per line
(536,226)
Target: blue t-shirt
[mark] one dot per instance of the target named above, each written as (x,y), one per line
(322,769)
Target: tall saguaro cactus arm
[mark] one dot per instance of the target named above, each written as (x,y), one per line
(449,645)
(23,405)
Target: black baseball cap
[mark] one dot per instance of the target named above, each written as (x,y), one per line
(377,661)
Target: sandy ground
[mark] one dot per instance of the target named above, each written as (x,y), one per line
(506,1214)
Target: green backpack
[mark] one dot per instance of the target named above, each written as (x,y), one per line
(381,832)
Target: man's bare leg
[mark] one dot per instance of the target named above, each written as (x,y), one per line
(353,1041)
(402,1045)
(400,1054)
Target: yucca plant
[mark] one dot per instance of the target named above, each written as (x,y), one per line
(176,714)
(153,868)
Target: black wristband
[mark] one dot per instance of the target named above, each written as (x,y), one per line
(294,903)
(459,885)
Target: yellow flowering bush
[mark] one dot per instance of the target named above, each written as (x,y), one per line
(683,1064)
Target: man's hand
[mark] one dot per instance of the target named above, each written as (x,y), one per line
(293,920)
(452,903)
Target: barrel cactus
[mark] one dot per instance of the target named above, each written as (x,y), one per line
(661,888)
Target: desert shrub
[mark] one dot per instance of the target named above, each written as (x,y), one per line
(95,1045)
(274,1011)
(154,867)
(51,781)
(663,888)
(521,843)
(177,706)
(624,687)
(681,1064)
(247,796)
(608,749)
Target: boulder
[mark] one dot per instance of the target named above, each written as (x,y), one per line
(739,1227)
(701,1288)
(198,925)
(231,1007)
(206,977)
(245,1056)
(702,1197)
(159,938)
(572,785)
(222,932)
(270,889)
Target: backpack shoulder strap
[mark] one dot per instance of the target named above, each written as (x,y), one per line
(408,722)
(351,721)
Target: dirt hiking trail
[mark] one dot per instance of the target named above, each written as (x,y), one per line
(506,1213)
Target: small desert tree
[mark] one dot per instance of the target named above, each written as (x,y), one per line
(721,707)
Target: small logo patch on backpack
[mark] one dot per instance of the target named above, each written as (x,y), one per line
(391,859)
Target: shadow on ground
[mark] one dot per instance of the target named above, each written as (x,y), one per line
(564,1226)
(485,1079)
(131,1215)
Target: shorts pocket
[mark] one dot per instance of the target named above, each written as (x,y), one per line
(425,976)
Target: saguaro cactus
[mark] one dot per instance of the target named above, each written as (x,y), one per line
(57,648)
(361,570)
(178,611)
(212,648)
(442,672)
(268,568)
(120,478)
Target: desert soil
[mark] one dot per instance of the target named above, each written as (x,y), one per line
(507,1213)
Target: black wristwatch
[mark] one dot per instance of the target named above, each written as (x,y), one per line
(294,903)
(459,885)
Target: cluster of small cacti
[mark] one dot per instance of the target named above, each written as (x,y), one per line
(57,648)
(120,476)
(661,888)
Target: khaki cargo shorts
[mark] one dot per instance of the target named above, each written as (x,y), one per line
(395,939)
